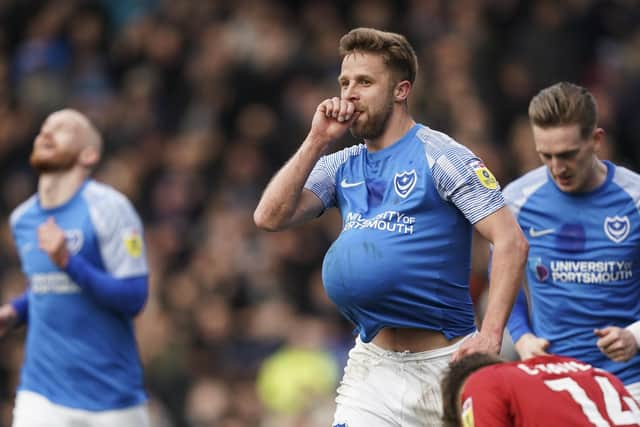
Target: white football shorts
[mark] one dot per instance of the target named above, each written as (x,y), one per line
(383,388)
(34,410)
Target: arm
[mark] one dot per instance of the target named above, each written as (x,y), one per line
(526,343)
(518,322)
(126,296)
(14,313)
(284,203)
(509,256)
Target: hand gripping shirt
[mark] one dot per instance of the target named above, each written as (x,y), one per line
(583,267)
(546,391)
(402,258)
(78,353)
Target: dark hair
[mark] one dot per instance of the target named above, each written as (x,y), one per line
(453,380)
(564,104)
(394,48)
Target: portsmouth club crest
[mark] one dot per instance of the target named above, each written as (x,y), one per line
(617,227)
(74,240)
(403,182)
(539,269)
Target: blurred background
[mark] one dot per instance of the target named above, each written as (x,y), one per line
(200,102)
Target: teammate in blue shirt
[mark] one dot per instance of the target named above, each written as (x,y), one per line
(399,270)
(81,247)
(581,216)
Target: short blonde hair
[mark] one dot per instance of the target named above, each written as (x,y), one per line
(564,104)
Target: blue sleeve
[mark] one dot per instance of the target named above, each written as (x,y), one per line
(518,323)
(127,295)
(21,306)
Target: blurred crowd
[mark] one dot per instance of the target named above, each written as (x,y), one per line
(201,101)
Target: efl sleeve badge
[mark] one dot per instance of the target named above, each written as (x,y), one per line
(467,413)
(486,177)
(133,243)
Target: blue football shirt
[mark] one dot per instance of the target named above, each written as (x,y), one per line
(78,353)
(402,258)
(584,263)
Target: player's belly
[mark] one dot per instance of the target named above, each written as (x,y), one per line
(360,270)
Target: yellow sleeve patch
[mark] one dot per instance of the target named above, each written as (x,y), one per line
(133,243)
(467,413)
(486,177)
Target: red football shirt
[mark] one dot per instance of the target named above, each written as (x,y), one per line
(546,391)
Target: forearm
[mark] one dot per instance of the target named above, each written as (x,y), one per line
(509,258)
(277,207)
(126,296)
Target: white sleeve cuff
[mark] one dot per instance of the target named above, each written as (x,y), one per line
(634,328)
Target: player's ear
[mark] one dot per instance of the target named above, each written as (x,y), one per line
(401,91)
(598,138)
(89,156)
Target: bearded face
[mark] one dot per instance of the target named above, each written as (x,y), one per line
(54,149)
(373,118)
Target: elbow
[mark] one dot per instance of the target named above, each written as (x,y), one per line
(137,298)
(137,307)
(264,221)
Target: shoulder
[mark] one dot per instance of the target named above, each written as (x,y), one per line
(344,154)
(521,189)
(109,209)
(438,144)
(97,194)
(330,163)
(22,209)
(628,180)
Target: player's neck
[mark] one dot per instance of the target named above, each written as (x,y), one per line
(598,175)
(56,188)
(399,124)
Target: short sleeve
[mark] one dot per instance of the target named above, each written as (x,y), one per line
(464,180)
(119,231)
(485,402)
(322,179)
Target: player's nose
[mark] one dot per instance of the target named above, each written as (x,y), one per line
(349,92)
(557,166)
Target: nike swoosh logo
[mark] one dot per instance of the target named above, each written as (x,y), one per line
(538,233)
(345,184)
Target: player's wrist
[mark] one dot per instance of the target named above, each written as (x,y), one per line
(61,259)
(634,328)
(315,144)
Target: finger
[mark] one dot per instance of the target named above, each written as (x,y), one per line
(325,107)
(335,107)
(618,355)
(346,109)
(604,331)
(541,353)
(606,341)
